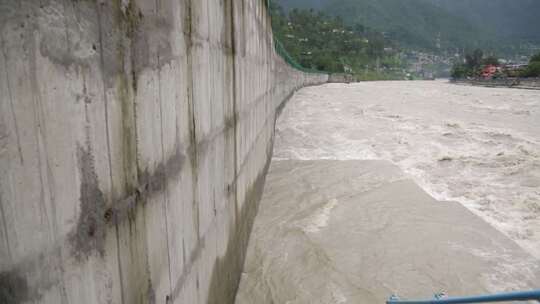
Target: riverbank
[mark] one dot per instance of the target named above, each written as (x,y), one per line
(516,83)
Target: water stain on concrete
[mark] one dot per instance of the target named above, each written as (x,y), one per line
(150,183)
(3,138)
(150,36)
(89,235)
(65,39)
(156,181)
(13,288)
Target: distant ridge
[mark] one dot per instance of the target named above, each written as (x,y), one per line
(487,24)
(509,18)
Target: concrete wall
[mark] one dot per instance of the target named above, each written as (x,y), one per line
(134,141)
(341,78)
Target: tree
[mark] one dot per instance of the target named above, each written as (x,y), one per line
(533,70)
(316,40)
(491,60)
(474,60)
(460,71)
(535,58)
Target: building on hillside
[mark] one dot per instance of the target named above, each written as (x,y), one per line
(489,71)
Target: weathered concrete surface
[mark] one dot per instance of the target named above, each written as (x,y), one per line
(331,231)
(134,137)
(341,78)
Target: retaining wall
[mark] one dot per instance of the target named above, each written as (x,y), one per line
(341,78)
(134,141)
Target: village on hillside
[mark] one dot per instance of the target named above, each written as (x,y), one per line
(477,66)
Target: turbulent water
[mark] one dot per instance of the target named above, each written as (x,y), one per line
(371,189)
(477,146)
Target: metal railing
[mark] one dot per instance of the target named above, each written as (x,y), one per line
(282,52)
(533,295)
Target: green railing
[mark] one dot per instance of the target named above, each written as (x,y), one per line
(282,52)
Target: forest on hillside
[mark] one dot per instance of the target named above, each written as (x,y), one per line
(321,42)
(502,26)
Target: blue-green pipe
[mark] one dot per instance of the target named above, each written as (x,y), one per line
(500,297)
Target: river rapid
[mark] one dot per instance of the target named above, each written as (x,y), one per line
(474,145)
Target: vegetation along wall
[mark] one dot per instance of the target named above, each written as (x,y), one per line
(134,141)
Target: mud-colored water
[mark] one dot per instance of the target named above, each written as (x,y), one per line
(398,187)
(478,146)
(332,232)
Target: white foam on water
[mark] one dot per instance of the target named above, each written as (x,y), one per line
(337,295)
(477,146)
(320,218)
(506,270)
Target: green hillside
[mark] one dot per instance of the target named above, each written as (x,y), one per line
(318,41)
(508,19)
(500,25)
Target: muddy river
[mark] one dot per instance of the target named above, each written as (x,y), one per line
(398,187)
